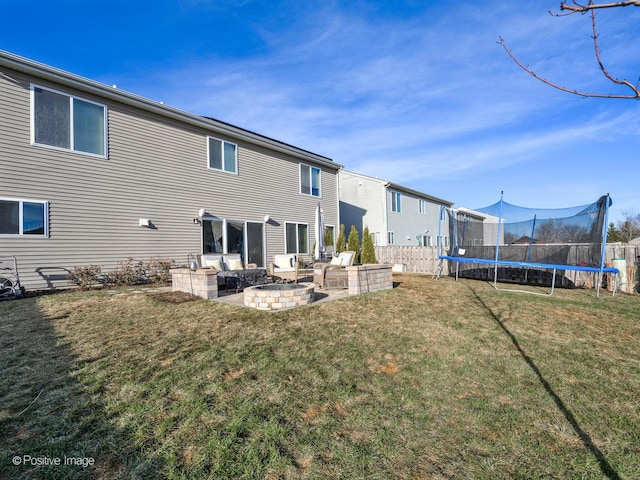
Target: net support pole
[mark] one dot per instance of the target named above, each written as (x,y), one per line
(533,230)
(495,269)
(439,229)
(604,248)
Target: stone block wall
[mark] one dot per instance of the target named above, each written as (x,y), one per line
(201,282)
(369,278)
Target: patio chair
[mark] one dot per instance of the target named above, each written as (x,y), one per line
(339,263)
(284,267)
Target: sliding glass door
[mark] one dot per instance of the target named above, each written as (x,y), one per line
(255,243)
(234,236)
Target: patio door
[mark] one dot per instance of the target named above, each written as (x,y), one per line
(255,243)
(234,236)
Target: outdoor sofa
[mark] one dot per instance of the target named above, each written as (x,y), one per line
(231,272)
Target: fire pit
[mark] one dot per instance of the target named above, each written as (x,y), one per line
(278,296)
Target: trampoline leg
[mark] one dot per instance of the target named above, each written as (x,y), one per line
(615,284)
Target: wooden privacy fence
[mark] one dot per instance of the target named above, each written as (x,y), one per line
(425,260)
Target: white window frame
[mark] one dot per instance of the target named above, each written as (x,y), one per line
(375,238)
(222,144)
(422,206)
(297,224)
(71,148)
(311,169)
(21,202)
(391,238)
(396,202)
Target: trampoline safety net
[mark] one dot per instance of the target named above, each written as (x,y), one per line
(527,242)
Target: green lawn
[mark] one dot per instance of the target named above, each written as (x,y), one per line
(434,379)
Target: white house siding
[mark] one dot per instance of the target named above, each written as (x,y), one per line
(156,169)
(362,204)
(367,201)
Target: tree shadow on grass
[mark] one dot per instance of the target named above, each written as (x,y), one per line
(46,415)
(585,438)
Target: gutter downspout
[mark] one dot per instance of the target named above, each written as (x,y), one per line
(338,188)
(385,213)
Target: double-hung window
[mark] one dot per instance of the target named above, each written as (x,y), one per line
(422,206)
(396,202)
(63,121)
(222,155)
(296,237)
(24,217)
(309,180)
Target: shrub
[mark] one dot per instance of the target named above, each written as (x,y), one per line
(157,270)
(368,252)
(129,272)
(341,245)
(353,243)
(86,276)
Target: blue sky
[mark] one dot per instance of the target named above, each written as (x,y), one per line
(417,92)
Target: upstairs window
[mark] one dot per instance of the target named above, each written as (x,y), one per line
(309,180)
(396,202)
(222,155)
(423,206)
(24,217)
(70,123)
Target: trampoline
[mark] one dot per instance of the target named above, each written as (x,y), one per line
(506,243)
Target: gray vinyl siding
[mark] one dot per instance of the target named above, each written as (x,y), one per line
(156,169)
(409,222)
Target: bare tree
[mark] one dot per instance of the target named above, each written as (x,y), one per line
(629,227)
(590,8)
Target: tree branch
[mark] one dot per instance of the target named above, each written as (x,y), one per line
(634,88)
(565,89)
(576,7)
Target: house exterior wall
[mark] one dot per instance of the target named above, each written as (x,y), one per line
(156,168)
(367,201)
(362,203)
(409,223)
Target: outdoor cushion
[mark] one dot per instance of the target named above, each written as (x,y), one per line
(336,261)
(346,258)
(234,264)
(214,262)
(283,263)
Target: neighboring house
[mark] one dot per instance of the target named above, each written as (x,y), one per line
(481,228)
(92,175)
(395,215)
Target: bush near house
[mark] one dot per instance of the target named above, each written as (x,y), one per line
(341,244)
(353,243)
(128,272)
(368,252)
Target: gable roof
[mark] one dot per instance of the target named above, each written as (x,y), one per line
(77,82)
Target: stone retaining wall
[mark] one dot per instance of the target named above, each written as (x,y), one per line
(201,282)
(278,300)
(369,278)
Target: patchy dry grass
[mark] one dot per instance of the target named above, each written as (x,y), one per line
(435,379)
